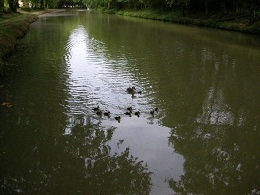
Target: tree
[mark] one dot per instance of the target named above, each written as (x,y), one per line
(180,4)
(1,7)
(42,4)
(206,8)
(13,5)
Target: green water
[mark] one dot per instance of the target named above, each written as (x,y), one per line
(203,140)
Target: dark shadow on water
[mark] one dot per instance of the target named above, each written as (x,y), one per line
(81,162)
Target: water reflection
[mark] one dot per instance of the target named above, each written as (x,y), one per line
(219,159)
(80,162)
(95,78)
(44,151)
(99,78)
(218,140)
(204,139)
(116,173)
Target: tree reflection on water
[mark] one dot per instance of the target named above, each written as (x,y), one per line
(217,160)
(81,162)
(220,146)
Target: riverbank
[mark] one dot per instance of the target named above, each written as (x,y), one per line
(12,30)
(233,22)
(14,26)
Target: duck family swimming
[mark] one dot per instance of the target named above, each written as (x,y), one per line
(129,112)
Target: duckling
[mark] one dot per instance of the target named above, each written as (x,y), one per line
(96,108)
(128,113)
(107,114)
(99,113)
(139,92)
(156,109)
(131,90)
(130,109)
(152,112)
(137,113)
(118,118)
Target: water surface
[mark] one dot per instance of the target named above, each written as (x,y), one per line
(203,140)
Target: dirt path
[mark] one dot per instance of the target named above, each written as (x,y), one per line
(38,13)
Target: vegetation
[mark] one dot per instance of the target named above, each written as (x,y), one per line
(233,15)
(238,23)
(11,30)
(199,8)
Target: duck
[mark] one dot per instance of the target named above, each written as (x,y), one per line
(107,114)
(130,109)
(131,90)
(137,113)
(96,108)
(152,112)
(99,113)
(118,118)
(128,113)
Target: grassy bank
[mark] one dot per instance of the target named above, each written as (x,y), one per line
(12,29)
(241,23)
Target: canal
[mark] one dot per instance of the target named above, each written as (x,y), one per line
(197,92)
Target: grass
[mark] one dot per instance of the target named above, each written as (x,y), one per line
(7,16)
(246,24)
(12,28)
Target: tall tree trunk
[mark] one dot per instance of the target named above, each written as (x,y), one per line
(13,5)
(224,6)
(2,7)
(183,10)
(206,8)
(41,4)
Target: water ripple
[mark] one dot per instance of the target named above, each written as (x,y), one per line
(98,79)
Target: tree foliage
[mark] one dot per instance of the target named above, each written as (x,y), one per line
(199,7)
